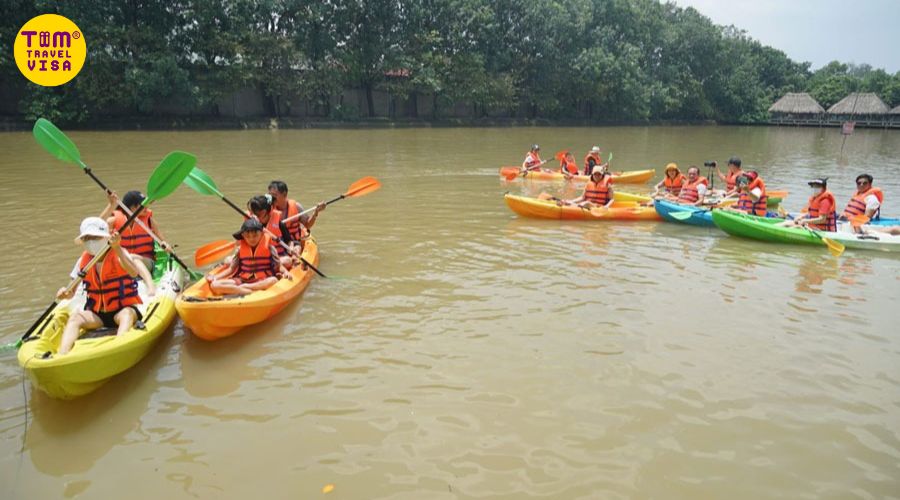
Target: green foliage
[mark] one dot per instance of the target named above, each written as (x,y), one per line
(608,60)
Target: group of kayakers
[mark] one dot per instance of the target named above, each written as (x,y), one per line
(747,187)
(269,243)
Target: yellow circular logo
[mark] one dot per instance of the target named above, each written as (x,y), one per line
(50,50)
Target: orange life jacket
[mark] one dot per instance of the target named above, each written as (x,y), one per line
(296,229)
(532,159)
(674,185)
(598,192)
(689,193)
(857,204)
(731,179)
(255,264)
(274,226)
(135,239)
(746,203)
(568,165)
(812,208)
(587,162)
(109,287)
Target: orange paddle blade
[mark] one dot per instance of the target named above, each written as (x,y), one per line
(363,187)
(213,252)
(859,220)
(505,171)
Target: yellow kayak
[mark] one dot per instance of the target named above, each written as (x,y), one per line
(101,354)
(626,177)
(548,209)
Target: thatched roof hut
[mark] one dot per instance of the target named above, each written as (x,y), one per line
(896,111)
(860,104)
(796,103)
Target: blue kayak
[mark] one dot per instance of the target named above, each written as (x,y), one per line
(703,217)
(699,216)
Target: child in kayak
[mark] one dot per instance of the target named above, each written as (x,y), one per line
(255,266)
(752,194)
(567,166)
(112,290)
(261,208)
(672,182)
(135,239)
(298,228)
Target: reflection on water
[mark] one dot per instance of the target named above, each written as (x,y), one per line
(469,352)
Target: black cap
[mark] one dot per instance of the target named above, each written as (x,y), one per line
(734,160)
(133,198)
(821,181)
(248,225)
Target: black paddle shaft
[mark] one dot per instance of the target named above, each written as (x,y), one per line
(100,183)
(244,215)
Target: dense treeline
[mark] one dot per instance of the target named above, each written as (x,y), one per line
(622,60)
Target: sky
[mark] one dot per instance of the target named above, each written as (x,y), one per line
(818,31)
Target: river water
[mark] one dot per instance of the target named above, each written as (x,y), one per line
(464,352)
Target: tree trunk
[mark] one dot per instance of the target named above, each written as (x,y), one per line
(369,100)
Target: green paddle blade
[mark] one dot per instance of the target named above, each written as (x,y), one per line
(202,183)
(55,142)
(168,175)
(683,215)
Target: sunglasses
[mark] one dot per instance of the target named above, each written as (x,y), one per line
(862,183)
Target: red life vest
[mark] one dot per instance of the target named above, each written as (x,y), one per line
(587,162)
(108,285)
(255,264)
(674,185)
(598,192)
(296,229)
(568,165)
(857,204)
(731,179)
(274,226)
(532,159)
(746,203)
(135,239)
(813,209)
(689,193)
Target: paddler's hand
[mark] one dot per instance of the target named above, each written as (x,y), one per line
(166,247)
(64,293)
(112,198)
(321,206)
(115,240)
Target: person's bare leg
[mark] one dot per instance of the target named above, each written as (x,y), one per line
(262,284)
(144,272)
(125,319)
(81,319)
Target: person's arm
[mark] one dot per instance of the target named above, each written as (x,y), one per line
(755,194)
(701,195)
(115,242)
(658,186)
(310,220)
(719,172)
(112,201)
(825,208)
(612,197)
(212,276)
(872,205)
(155,229)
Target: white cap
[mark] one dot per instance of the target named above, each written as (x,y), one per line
(595,149)
(93,226)
(598,169)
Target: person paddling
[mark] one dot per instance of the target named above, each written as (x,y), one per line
(299,227)
(597,193)
(592,160)
(819,212)
(694,190)
(752,194)
(110,284)
(734,171)
(261,208)
(255,266)
(135,239)
(532,159)
(672,182)
(567,166)
(866,201)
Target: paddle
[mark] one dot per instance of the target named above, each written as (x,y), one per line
(359,188)
(165,179)
(834,248)
(55,142)
(213,252)
(199,181)
(684,214)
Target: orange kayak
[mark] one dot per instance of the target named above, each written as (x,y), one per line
(628,177)
(544,209)
(212,317)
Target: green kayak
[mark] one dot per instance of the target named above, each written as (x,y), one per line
(763,229)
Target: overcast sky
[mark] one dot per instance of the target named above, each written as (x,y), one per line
(818,31)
